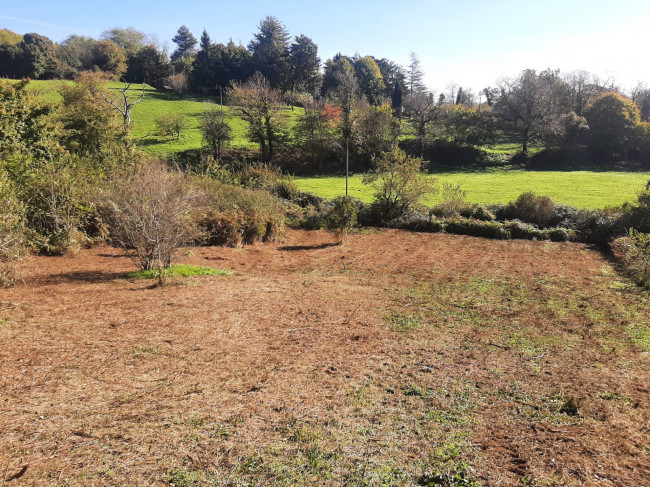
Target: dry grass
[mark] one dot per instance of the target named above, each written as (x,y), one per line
(397,359)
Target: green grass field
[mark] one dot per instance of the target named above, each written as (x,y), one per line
(161,102)
(583,189)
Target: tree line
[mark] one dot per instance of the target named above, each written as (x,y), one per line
(366,103)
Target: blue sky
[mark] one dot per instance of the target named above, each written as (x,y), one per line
(468,42)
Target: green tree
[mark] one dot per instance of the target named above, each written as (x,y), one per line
(377,129)
(109,57)
(304,65)
(370,80)
(342,217)
(171,124)
(614,123)
(185,49)
(316,130)
(148,65)
(270,52)
(414,75)
(130,40)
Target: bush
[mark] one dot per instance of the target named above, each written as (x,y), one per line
(558,234)
(235,216)
(171,124)
(535,209)
(478,212)
(342,217)
(523,231)
(149,212)
(12,228)
(634,251)
(398,183)
(453,201)
(598,226)
(477,228)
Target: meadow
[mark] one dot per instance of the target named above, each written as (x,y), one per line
(162,102)
(583,189)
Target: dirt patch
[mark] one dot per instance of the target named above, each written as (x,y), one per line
(394,359)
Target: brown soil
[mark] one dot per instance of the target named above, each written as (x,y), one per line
(523,360)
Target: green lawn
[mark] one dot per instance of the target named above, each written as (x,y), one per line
(161,102)
(584,189)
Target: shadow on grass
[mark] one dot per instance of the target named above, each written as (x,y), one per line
(295,248)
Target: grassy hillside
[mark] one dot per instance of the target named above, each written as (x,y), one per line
(160,102)
(584,189)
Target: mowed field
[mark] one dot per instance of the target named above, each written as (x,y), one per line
(398,359)
(583,189)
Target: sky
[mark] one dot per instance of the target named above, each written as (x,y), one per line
(471,43)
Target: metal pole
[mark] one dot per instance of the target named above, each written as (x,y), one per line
(347,159)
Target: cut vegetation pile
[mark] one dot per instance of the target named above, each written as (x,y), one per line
(397,359)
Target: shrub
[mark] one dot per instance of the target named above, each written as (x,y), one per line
(558,234)
(598,226)
(398,183)
(12,228)
(634,251)
(149,212)
(235,216)
(477,228)
(171,124)
(523,231)
(342,217)
(480,212)
(535,209)
(453,200)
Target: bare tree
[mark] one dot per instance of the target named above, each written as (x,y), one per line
(422,110)
(178,83)
(123,105)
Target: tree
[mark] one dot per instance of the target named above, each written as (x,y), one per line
(148,65)
(397,100)
(202,74)
(532,103)
(304,65)
(123,105)
(89,124)
(331,77)
(641,96)
(467,126)
(414,75)
(185,49)
(392,74)
(12,228)
(9,37)
(171,124)
(109,57)
(316,130)
(38,56)
(377,129)
(370,80)
(129,40)
(614,123)
(259,105)
(422,110)
(78,53)
(398,183)
(270,52)
(216,131)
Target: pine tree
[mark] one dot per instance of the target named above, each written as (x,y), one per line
(414,75)
(185,42)
(270,50)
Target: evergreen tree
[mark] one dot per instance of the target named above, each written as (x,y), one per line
(202,67)
(414,75)
(270,52)
(305,65)
(397,100)
(369,78)
(185,49)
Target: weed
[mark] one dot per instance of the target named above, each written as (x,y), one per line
(178,270)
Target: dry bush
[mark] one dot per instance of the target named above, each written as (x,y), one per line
(454,200)
(534,209)
(178,83)
(634,252)
(12,227)
(149,211)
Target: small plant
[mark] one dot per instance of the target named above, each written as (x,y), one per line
(171,124)
(454,200)
(398,183)
(342,217)
(180,270)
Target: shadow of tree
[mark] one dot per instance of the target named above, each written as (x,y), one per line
(294,248)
